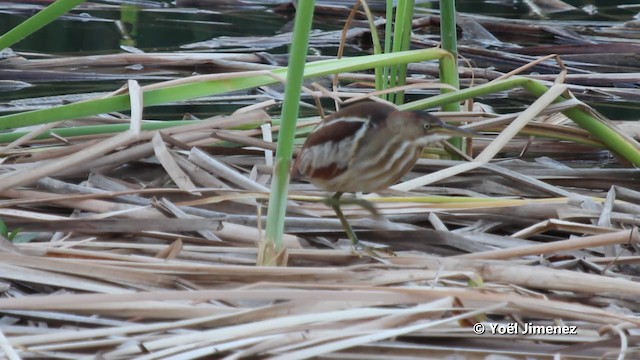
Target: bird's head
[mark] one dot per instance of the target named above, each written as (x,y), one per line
(425,128)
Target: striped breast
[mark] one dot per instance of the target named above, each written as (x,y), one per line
(378,165)
(346,153)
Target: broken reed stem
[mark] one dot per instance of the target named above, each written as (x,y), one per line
(621,237)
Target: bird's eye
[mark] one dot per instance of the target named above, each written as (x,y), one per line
(427,126)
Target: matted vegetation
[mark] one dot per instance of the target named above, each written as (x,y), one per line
(128,238)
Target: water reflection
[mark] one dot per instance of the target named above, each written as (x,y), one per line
(159,26)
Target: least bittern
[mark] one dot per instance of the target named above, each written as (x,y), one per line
(367,147)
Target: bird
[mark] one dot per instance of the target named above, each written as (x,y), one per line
(367,147)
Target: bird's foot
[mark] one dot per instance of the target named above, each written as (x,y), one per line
(357,247)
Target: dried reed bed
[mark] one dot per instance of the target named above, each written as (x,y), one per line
(145,244)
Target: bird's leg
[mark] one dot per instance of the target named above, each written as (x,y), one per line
(334,201)
(367,205)
(335,204)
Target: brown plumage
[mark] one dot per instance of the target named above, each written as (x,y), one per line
(367,147)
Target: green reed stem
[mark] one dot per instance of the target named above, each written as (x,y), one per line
(284,150)
(449,65)
(37,21)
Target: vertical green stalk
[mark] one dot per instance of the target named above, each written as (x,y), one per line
(400,27)
(388,33)
(449,64)
(405,24)
(37,21)
(284,150)
(396,45)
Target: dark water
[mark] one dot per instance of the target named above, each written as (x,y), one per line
(160,26)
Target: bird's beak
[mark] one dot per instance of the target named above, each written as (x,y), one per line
(451,130)
(443,131)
